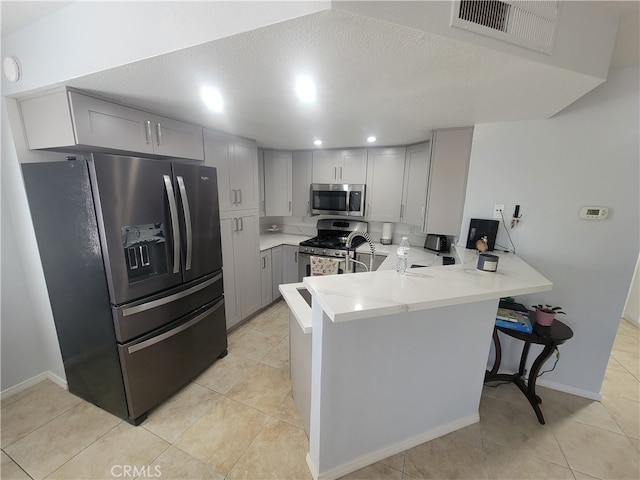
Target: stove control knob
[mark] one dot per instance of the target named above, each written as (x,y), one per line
(324,252)
(344,254)
(312,250)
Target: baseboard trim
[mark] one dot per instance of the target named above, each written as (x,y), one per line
(561,387)
(394,449)
(48,375)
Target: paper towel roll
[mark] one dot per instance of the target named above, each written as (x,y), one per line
(387,233)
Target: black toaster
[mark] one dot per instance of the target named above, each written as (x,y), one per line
(437,243)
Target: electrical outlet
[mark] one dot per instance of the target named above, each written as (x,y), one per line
(412,230)
(498,210)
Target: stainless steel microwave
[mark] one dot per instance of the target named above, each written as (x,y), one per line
(337,199)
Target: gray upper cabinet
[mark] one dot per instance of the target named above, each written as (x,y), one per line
(301,178)
(416,181)
(71,121)
(385,171)
(340,166)
(277,183)
(237,162)
(451,150)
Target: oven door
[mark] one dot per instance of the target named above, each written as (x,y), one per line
(304,266)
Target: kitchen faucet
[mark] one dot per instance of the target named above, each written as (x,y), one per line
(366,236)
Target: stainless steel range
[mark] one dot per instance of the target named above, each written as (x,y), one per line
(331,241)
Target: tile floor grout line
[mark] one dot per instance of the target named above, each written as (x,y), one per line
(45,423)
(17,464)
(250,443)
(81,450)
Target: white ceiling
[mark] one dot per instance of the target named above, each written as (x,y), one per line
(372,77)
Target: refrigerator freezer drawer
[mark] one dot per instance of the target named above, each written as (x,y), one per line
(137,318)
(158,364)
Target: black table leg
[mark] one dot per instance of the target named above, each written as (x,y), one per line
(534,399)
(498,359)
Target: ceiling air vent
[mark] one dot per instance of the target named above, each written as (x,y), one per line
(527,23)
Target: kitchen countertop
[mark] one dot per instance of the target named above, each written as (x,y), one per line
(417,255)
(385,292)
(269,240)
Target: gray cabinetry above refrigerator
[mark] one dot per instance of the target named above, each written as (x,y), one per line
(66,120)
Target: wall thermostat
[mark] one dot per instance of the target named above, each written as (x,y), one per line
(594,213)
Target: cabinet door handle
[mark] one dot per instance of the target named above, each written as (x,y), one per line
(159,133)
(289,206)
(264,262)
(241,224)
(239,196)
(235,222)
(335,173)
(147,131)
(308,211)
(234,196)
(295,257)
(340,173)
(401,212)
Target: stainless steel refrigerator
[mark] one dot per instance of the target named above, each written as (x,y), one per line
(132,258)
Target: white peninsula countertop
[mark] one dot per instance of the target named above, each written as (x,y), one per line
(388,361)
(385,292)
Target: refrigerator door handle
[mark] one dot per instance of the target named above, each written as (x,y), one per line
(171,298)
(173,211)
(187,221)
(152,341)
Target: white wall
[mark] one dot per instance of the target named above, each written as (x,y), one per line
(29,341)
(22,346)
(586,155)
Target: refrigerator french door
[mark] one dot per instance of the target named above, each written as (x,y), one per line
(158,221)
(132,258)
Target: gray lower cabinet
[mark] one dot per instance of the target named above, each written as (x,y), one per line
(270,274)
(276,271)
(266,281)
(240,264)
(290,264)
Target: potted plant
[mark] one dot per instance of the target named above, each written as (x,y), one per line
(545,314)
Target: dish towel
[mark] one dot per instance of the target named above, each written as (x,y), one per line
(324,265)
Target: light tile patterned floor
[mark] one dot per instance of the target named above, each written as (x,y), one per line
(237,421)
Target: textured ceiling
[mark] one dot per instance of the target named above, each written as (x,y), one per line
(372,77)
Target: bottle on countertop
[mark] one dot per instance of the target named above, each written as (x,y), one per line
(402,253)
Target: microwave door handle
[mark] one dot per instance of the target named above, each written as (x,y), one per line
(173,213)
(187,221)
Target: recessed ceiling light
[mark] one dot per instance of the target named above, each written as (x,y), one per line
(305,89)
(317,142)
(371,139)
(212,99)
